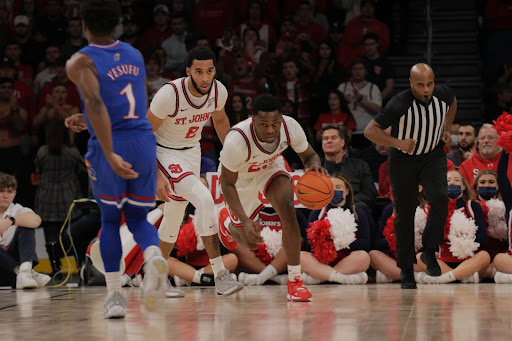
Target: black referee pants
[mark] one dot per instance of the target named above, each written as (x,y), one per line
(406,172)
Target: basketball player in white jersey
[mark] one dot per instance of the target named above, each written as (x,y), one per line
(251,164)
(178,113)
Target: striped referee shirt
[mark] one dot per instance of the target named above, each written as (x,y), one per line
(411,118)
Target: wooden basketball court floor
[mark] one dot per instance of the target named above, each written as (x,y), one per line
(364,312)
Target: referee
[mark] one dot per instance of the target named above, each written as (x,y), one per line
(418,118)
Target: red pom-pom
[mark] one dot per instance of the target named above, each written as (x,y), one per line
(389,234)
(262,253)
(187,240)
(321,242)
(503,126)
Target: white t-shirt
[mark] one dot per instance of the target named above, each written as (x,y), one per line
(371,93)
(243,153)
(12,211)
(184,115)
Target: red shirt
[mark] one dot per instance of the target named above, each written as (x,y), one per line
(249,90)
(335,118)
(472,166)
(211,16)
(316,31)
(73,96)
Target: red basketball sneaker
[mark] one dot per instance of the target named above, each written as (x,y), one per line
(297,292)
(225,236)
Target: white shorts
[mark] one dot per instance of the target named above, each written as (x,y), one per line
(177,164)
(249,188)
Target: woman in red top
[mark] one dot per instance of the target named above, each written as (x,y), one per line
(339,114)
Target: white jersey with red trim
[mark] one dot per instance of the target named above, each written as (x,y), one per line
(184,115)
(244,154)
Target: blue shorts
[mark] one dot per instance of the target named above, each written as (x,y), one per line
(135,147)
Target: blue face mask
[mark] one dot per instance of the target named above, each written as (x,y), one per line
(455,139)
(487,192)
(337,198)
(454,191)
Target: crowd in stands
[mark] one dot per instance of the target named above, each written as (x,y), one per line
(325,60)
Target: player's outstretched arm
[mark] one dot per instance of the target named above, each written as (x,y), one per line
(252,228)
(221,123)
(81,71)
(312,161)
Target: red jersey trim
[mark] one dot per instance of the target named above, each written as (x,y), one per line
(246,140)
(275,175)
(287,134)
(188,99)
(177,99)
(255,138)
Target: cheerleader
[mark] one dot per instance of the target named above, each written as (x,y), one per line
(339,239)
(465,233)
(383,258)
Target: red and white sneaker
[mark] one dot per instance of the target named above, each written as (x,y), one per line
(225,236)
(297,292)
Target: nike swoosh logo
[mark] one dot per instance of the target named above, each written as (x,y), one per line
(303,193)
(183,109)
(255,156)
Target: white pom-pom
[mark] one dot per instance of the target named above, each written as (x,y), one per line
(497,228)
(343,227)
(420,220)
(462,235)
(273,240)
(200,244)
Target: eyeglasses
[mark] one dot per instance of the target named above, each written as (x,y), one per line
(490,138)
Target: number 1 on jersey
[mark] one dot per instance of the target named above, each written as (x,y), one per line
(128,91)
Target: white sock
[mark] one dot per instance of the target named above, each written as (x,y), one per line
(197,276)
(25,267)
(293,272)
(335,276)
(443,279)
(267,273)
(152,251)
(217,264)
(113,280)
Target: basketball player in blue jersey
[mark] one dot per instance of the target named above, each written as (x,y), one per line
(121,158)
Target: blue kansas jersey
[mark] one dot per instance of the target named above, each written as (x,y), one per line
(121,75)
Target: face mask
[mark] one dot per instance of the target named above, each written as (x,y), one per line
(487,192)
(455,140)
(454,191)
(337,198)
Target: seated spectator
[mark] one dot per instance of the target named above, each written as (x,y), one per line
(339,115)
(364,100)
(237,110)
(486,156)
(465,142)
(159,31)
(162,55)
(466,262)
(380,69)
(75,38)
(374,155)
(132,35)
(351,259)
(335,148)
(255,20)
(309,33)
(32,52)
(153,76)
(17,240)
(335,36)
(47,68)
(12,127)
(327,74)
(352,44)
(244,83)
(61,77)
(175,46)
(12,51)
(252,46)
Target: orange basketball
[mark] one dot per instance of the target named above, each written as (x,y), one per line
(314,190)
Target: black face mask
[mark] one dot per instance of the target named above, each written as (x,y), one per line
(487,192)
(454,191)
(337,197)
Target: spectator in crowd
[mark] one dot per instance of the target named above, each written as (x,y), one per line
(207,16)
(309,33)
(12,126)
(24,94)
(287,35)
(162,55)
(352,44)
(328,73)
(73,97)
(48,68)
(27,8)
(364,100)
(502,102)
(59,165)
(339,114)
(485,157)
(243,82)
(335,35)
(159,31)
(17,240)
(374,155)
(175,46)
(335,147)
(51,27)
(13,52)
(465,142)
(75,38)
(131,34)
(380,70)
(237,110)
(31,51)
(255,20)
(153,76)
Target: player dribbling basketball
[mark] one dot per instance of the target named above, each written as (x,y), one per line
(251,163)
